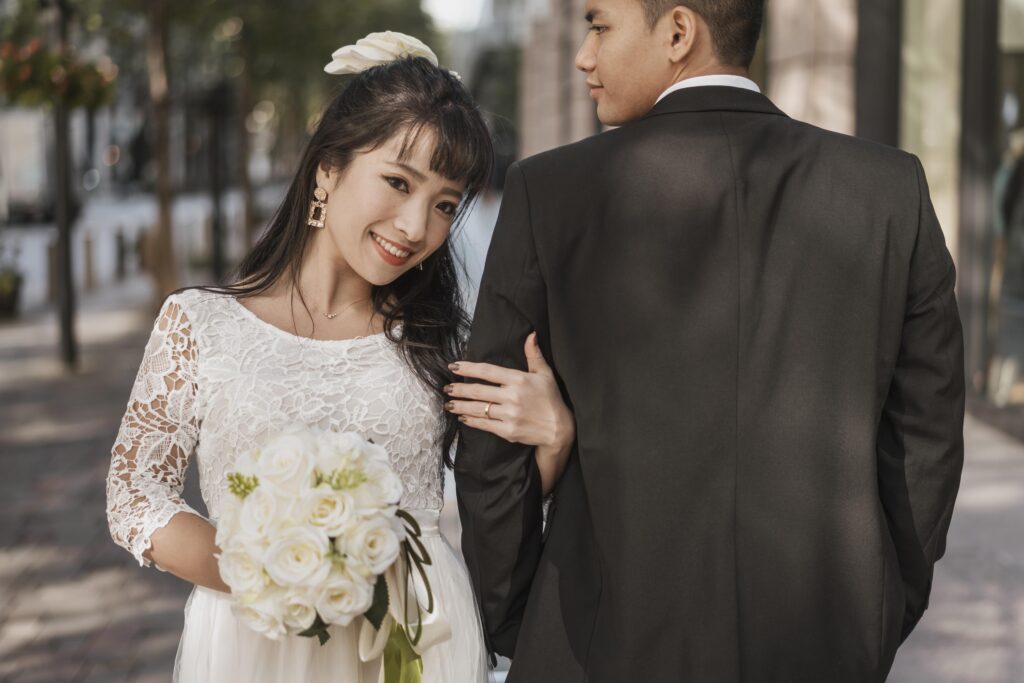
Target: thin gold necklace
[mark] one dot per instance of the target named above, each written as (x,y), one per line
(329,316)
(332,316)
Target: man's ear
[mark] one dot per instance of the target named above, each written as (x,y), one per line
(682,23)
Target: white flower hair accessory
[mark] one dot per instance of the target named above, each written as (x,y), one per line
(376,49)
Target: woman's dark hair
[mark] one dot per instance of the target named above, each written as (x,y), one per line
(403,97)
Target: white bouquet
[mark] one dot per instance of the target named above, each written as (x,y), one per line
(312,535)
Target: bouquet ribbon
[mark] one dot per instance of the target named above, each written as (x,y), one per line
(401,657)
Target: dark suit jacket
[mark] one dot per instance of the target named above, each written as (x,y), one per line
(754,322)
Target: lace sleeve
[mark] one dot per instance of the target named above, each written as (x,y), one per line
(157,436)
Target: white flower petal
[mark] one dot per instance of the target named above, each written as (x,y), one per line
(375,49)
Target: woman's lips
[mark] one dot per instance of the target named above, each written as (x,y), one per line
(390,258)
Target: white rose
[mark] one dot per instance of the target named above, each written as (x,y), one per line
(247,463)
(382,490)
(299,556)
(261,513)
(241,570)
(299,608)
(376,49)
(376,453)
(337,451)
(373,543)
(263,613)
(343,597)
(330,510)
(287,463)
(227,521)
(388,484)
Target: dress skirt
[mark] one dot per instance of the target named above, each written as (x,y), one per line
(216,647)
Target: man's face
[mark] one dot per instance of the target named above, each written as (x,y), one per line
(626,63)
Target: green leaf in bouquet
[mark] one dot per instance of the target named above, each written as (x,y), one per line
(342,480)
(419,553)
(416,558)
(379,609)
(241,485)
(410,520)
(401,663)
(318,629)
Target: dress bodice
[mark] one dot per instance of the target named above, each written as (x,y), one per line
(216,381)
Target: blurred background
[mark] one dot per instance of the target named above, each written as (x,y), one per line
(144,144)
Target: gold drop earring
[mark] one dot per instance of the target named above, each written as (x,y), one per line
(317,208)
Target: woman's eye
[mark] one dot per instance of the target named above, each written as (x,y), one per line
(598,29)
(447,208)
(397,183)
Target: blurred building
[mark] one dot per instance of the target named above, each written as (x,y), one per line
(943,79)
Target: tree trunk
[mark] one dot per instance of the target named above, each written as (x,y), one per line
(160,243)
(63,214)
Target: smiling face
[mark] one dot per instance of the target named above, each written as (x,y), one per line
(387,213)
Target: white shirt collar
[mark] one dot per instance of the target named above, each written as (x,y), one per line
(715,79)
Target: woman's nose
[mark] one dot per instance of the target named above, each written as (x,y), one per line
(412,222)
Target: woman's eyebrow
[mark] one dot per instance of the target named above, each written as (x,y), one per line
(421,177)
(418,175)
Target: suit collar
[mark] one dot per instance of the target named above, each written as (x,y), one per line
(714,98)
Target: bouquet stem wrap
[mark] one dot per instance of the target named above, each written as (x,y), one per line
(413,623)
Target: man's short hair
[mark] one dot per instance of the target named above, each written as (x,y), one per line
(735,24)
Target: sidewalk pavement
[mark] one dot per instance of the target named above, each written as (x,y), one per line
(76,608)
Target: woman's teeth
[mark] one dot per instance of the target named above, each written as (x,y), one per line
(390,248)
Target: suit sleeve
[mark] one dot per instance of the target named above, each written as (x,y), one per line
(498,483)
(920,438)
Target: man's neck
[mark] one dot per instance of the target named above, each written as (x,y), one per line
(711,69)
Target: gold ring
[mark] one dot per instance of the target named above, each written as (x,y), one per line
(487,410)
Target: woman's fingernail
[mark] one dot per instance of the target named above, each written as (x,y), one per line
(462,418)
(449,405)
(448,388)
(454,367)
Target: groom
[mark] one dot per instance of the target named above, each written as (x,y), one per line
(754,323)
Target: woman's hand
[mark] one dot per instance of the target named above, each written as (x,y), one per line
(520,407)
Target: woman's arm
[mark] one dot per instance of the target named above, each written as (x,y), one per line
(520,407)
(186,548)
(145,510)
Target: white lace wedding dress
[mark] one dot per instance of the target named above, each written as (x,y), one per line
(215,381)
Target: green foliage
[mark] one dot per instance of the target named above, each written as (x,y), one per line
(241,485)
(342,480)
(402,664)
(33,73)
(318,629)
(273,51)
(281,48)
(10,281)
(381,600)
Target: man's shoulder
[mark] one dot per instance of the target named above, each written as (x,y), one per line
(849,148)
(828,148)
(578,153)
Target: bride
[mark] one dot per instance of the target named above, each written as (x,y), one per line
(345,316)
